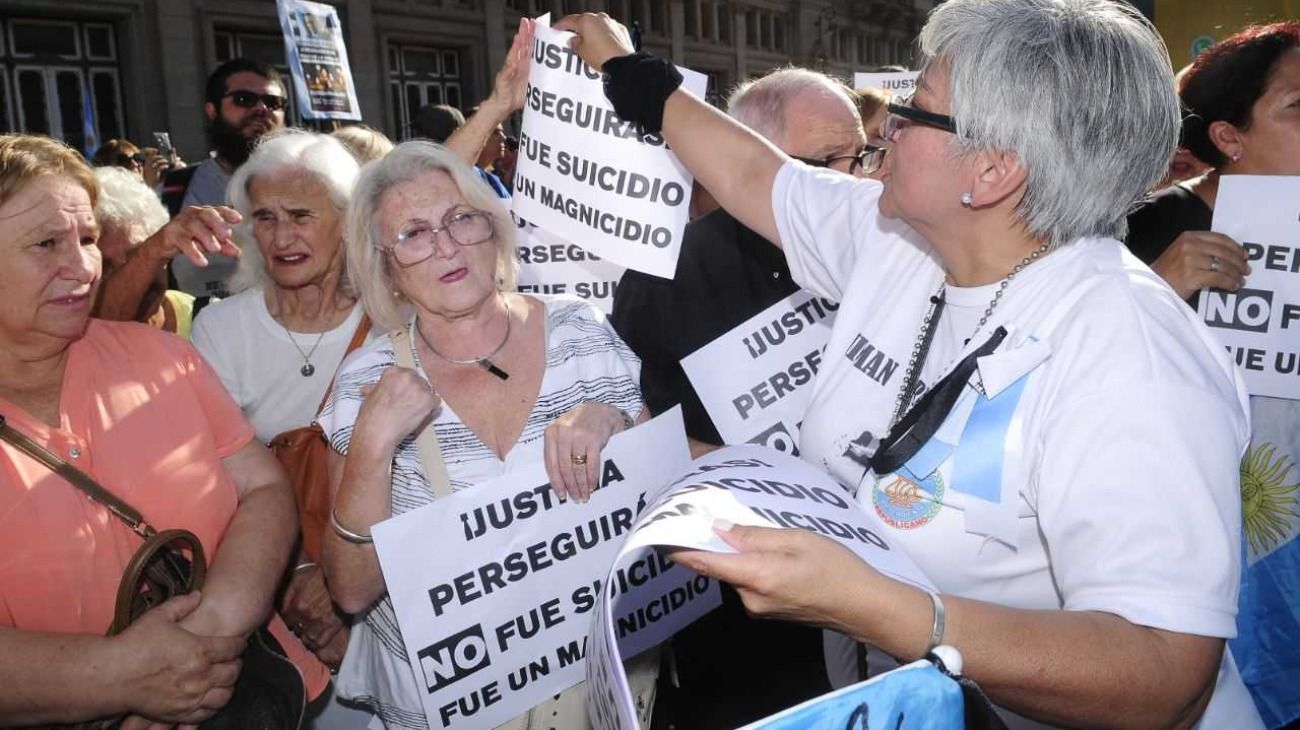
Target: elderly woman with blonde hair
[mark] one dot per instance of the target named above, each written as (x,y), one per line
(507,380)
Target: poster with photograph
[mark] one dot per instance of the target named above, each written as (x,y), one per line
(318,60)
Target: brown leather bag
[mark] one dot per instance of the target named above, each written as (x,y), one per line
(303,453)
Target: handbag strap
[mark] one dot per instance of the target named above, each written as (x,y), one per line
(78,479)
(426,441)
(358,337)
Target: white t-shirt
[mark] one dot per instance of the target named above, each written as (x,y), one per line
(585,361)
(1100,473)
(256,359)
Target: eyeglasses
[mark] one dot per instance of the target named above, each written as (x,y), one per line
(864,162)
(249,100)
(419,241)
(903,115)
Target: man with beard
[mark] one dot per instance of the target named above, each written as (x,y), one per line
(245,101)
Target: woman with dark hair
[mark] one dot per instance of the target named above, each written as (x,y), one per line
(1242,100)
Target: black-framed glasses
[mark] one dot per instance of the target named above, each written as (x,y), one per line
(864,162)
(903,115)
(249,100)
(418,241)
(130,161)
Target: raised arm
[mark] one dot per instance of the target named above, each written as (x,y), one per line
(736,165)
(196,231)
(507,98)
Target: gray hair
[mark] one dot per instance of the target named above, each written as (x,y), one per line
(760,103)
(368,265)
(315,155)
(1080,90)
(124,200)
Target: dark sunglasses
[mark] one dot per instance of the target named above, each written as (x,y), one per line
(130,160)
(865,162)
(249,100)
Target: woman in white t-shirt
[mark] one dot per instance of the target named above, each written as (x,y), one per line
(277,343)
(1034,416)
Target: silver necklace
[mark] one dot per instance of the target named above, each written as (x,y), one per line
(307,368)
(928,325)
(484,361)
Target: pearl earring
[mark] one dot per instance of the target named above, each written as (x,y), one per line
(967,199)
(1236,157)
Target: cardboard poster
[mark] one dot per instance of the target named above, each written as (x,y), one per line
(1260,322)
(899,83)
(551,265)
(747,485)
(494,586)
(318,60)
(587,176)
(756,380)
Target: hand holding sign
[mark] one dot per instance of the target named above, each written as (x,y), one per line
(790,575)
(596,37)
(1202,260)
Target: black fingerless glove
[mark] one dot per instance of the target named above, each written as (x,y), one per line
(638,85)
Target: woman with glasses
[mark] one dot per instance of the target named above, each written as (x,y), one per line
(507,381)
(1032,414)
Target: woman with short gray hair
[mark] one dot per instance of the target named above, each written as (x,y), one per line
(1032,414)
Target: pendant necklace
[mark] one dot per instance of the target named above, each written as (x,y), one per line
(307,368)
(484,362)
(928,326)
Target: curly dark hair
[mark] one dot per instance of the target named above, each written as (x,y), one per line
(1225,82)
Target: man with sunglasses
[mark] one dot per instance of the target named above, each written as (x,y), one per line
(727,273)
(246,100)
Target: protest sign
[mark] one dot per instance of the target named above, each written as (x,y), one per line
(746,485)
(762,393)
(1260,322)
(493,586)
(899,83)
(589,177)
(318,60)
(550,265)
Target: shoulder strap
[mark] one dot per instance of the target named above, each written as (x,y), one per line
(78,479)
(358,337)
(435,469)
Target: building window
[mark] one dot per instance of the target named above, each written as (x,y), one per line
(419,75)
(692,18)
(659,17)
(60,78)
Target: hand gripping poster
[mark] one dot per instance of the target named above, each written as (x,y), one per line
(591,178)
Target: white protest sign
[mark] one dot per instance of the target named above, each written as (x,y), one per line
(746,485)
(1260,322)
(898,83)
(318,60)
(589,177)
(491,584)
(550,265)
(755,381)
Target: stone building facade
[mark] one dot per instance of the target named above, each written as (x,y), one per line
(116,68)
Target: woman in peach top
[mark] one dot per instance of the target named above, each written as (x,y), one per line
(140,412)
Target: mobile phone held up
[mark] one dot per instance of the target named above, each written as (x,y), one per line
(163,141)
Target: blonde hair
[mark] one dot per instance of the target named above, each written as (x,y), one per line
(368,266)
(25,157)
(365,143)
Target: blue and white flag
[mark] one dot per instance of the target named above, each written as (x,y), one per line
(1267,647)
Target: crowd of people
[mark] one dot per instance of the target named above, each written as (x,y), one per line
(1040,234)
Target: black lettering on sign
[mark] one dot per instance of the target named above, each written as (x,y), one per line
(530,624)
(661,607)
(1275,257)
(536,669)
(454,658)
(778,437)
(1284,363)
(772,389)
(1245,310)
(469,705)
(571,653)
(619,227)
